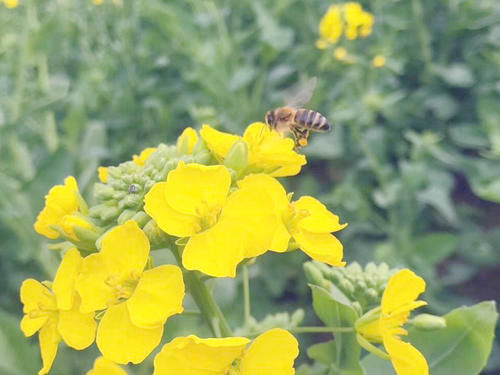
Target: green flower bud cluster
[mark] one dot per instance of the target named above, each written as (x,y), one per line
(280,320)
(121,197)
(363,286)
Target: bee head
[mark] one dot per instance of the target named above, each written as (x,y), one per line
(270,118)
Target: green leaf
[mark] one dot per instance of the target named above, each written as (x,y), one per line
(324,352)
(335,310)
(469,135)
(436,247)
(463,347)
(458,75)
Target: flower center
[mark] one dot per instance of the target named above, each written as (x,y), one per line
(208,215)
(123,288)
(294,217)
(234,368)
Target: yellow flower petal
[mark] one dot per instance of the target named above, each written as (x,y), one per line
(186,141)
(49,340)
(271,152)
(323,247)
(103,366)
(218,142)
(158,295)
(263,182)
(121,341)
(143,156)
(253,219)
(196,189)
(64,282)
(273,352)
(194,356)
(215,252)
(405,358)
(77,329)
(402,289)
(30,326)
(62,200)
(103,174)
(34,295)
(320,219)
(125,250)
(91,284)
(168,219)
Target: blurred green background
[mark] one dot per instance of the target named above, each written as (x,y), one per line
(412,164)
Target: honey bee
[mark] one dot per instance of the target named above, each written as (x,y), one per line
(298,121)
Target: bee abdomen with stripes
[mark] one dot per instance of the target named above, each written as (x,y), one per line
(312,120)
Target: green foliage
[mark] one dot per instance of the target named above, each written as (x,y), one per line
(412,163)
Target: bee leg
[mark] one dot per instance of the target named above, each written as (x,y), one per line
(301,138)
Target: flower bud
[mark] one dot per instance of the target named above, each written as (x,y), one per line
(313,274)
(237,157)
(125,216)
(103,191)
(428,322)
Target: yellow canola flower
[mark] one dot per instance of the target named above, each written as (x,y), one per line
(347,19)
(103,174)
(11,4)
(378,61)
(61,209)
(306,220)
(273,352)
(340,53)
(55,313)
(186,141)
(103,366)
(143,156)
(223,228)
(138,302)
(268,151)
(398,300)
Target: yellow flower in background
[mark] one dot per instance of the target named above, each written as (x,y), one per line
(378,61)
(10,4)
(186,141)
(103,366)
(61,209)
(340,53)
(97,2)
(273,352)
(55,313)
(331,25)
(223,227)
(268,151)
(306,220)
(103,174)
(143,156)
(138,302)
(348,19)
(385,324)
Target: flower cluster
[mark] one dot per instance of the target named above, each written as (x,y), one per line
(10,4)
(348,19)
(214,200)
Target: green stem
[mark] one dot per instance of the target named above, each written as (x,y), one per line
(311,330)
(246,294)
(207,305)
(423,37)
(321,329)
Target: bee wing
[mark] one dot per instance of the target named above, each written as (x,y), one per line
(302,93)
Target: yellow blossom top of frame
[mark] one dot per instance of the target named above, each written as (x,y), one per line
(103,366)
(273,352)
(61,209)
(398,300)
(268,151)
(347,19)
